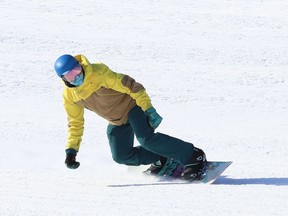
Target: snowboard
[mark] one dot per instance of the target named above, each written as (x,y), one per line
(212,170)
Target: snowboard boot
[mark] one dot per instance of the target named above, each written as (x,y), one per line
(195,168)
(166,167)
(155,167)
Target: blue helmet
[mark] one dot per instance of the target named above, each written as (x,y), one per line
(64,63)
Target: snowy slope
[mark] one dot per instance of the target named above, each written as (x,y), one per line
(215,70)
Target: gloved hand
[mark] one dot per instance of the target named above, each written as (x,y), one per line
(154,118)
(71,162)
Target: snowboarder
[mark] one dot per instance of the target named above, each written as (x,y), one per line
(124,102)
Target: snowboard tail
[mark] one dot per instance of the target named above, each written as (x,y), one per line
(213,170)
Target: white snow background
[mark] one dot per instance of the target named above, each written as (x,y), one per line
(215,70)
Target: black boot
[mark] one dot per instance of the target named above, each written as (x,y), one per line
(167,167)
(195,167)
(155,167)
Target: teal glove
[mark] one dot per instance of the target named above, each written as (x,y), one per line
(154,118)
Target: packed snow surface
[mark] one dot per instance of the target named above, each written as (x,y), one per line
(216,71)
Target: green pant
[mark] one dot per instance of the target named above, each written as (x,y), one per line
(152,145)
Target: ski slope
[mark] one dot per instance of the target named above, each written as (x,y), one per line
(216,71)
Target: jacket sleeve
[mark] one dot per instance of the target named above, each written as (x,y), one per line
(75,116)
(125,84)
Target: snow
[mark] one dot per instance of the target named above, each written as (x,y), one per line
(215,70)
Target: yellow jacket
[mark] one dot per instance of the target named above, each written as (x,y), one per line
(111,95)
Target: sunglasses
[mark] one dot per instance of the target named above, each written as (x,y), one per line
(70,76)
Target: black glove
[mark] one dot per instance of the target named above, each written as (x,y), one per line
(71,162)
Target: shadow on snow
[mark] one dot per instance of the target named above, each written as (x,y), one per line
(223,180)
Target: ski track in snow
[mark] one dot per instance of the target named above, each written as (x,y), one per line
(215,70)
